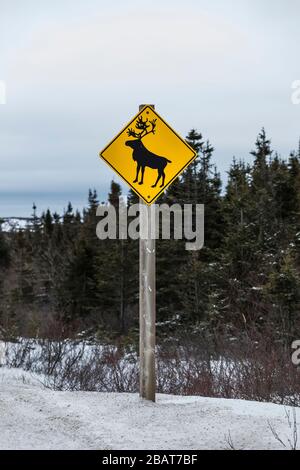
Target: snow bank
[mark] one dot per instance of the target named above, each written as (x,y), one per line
(33,417)
(15,223)
(2,353)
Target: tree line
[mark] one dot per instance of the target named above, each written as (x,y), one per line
(247,274)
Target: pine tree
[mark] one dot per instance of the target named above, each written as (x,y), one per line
(79,297)
(284,288)
(132,198)
(114,194)
(121,248)
(294,186)
(261,187)
(47,222)
(5,255)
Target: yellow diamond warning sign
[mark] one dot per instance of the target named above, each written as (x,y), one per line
(148,154)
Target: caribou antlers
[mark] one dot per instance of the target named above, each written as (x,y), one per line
(143,127)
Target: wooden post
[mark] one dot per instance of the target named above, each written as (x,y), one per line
(147,300)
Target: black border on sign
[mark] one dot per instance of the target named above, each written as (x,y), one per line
(172,130)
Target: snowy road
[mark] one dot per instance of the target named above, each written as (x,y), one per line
(32,417)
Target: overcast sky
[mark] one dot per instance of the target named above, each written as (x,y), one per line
(76,71)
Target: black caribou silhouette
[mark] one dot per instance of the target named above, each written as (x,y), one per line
(141,155)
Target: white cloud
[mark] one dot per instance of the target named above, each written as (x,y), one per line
(135,48)
(76,72)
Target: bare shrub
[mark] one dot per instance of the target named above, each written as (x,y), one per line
(229,441)
(252,367)
(76,365)
(291,441)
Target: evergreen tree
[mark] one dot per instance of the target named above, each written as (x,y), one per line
(47,222)
(80,287)
(5,255)
(261,187)
(284,288)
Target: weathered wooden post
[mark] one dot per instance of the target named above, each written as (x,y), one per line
(147,299)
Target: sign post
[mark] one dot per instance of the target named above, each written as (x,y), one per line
(148,155)
(147,299)
(147,302)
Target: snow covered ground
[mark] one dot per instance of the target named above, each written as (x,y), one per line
(32,417)
(15,223)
